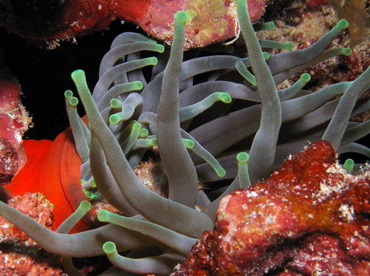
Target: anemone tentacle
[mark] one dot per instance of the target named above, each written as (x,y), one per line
(105,181)
(168,125)
(342,114)
(81,133)
(266,136)
(84,244)
(154,264)
(172,239)
(137,195)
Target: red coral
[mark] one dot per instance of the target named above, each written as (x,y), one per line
(53,169)
(310,217)
(323,254)
(314,3)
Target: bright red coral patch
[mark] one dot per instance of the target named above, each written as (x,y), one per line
(310,217)
(53,169)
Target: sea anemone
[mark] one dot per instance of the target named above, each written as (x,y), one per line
(134,107)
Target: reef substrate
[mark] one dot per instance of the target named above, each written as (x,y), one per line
(20,255)
(14,122)
(211,21)
(310,217)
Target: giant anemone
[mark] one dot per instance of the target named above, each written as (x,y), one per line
(148,96)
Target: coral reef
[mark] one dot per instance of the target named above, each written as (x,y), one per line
(209,22)
(53,162)
(199,111)
(356,14)
(20,255)
(310,217)
(14,123)
(294,24)
(45,159)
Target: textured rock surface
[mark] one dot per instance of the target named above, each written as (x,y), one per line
(210,22)
(14,122)
(20,255)
(310,217)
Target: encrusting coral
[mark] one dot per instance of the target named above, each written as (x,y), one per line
(310,217)
(209,22)
(20,255)
(130,112)
(14,122)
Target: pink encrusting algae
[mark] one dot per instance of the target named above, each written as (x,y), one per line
(310,217)
(19,254)
(14,122)
(210,21)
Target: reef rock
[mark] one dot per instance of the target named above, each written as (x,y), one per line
(14,122)
(210,22)
(20,255)
(310,217)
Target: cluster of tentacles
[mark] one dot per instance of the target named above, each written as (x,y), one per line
(129,112)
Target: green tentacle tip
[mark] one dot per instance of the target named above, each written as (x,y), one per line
(181,17)
(347,51)
(305,77)
(115,103)
(188,143)
(92,183)
(143,133)
(103,215)
(78,75)
(348,165)
(137,85)
(160,48)
(221,172)
(152,60)
(288,46)
(94,198)
(136,126)
(265,55)
(146,143)
(342,24)
(154,142)
(109,247)
(225,97)
(73,101)
(115,118)
(85,206)
(88,194)
(68,94)
(242,157)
